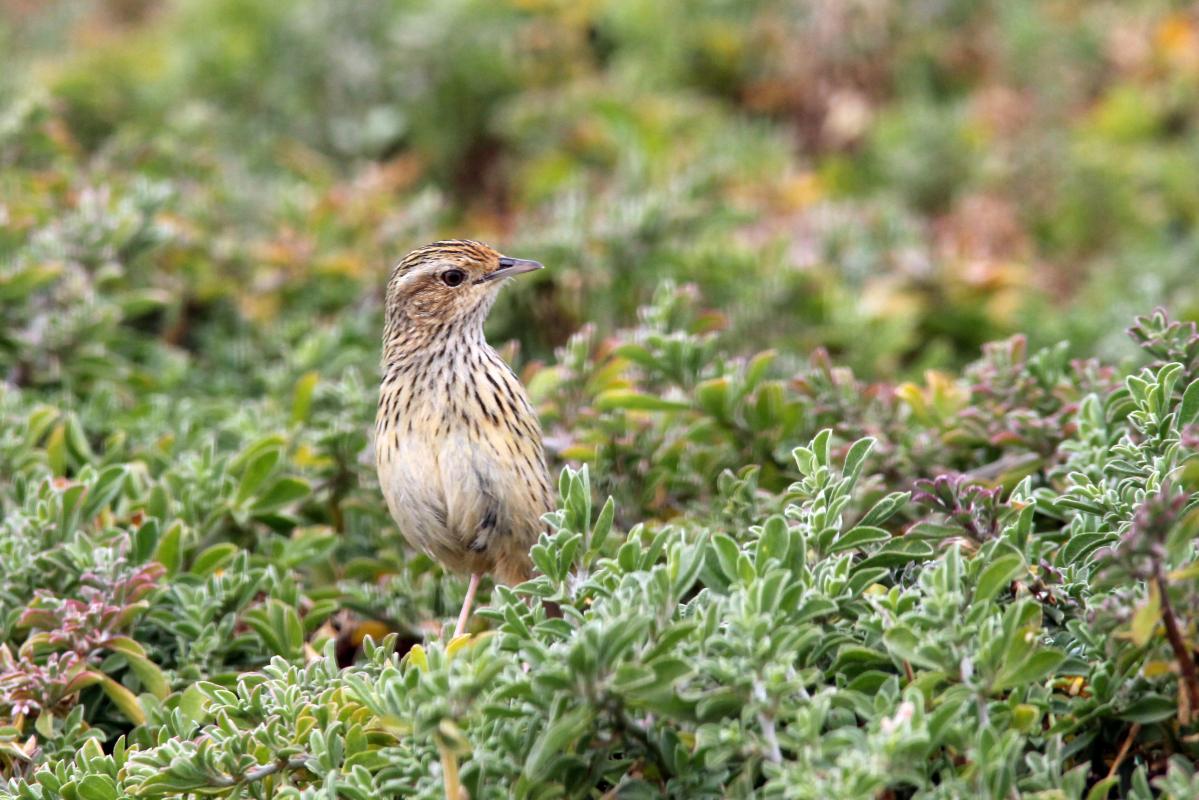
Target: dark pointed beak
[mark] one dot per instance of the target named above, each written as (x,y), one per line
(510,267)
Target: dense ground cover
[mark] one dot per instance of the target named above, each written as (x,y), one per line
(817,537)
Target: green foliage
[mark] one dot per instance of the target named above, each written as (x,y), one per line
(828,525)
(851,630)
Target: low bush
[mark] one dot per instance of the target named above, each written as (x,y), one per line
(829,525)
(805,586)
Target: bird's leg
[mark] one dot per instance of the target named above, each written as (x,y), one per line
(464,615)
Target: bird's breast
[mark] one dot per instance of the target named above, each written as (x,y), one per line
(461,467)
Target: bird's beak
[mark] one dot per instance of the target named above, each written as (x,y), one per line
(510,267)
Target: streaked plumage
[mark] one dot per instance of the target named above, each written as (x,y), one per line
(457,444)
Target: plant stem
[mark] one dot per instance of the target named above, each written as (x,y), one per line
(449,771)
(773,752)
(262,771)
(1124,748)
(1182,653)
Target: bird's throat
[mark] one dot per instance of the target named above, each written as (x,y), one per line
(409,342)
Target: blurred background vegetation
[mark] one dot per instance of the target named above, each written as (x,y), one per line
(897,182)
(762,219)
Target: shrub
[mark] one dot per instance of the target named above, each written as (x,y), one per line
(828,525)
(824,625)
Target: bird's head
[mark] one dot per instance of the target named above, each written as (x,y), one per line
(448,283)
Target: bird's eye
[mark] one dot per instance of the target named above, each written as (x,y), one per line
(453,277)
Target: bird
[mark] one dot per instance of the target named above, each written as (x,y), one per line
(458,445)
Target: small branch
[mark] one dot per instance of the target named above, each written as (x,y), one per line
(1182,653)
(1124,748)
(449,771)
(262,771)
(774,752)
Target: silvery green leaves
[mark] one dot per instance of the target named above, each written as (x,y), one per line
(1167,340)
(668,409)
(825,491)
(823,625)
(564,558)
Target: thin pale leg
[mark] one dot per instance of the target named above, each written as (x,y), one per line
(464,615)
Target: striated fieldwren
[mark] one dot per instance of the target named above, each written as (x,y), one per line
(457,444)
